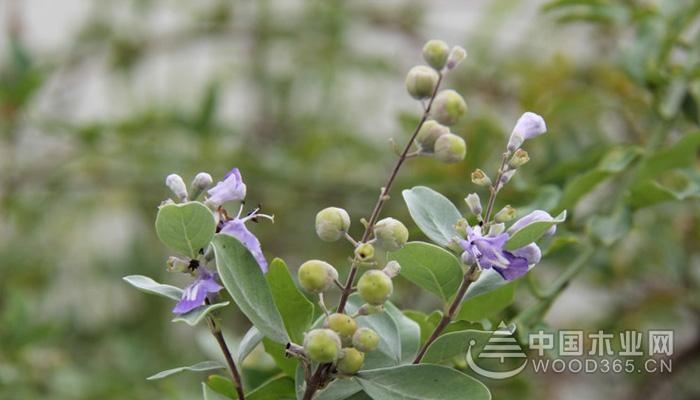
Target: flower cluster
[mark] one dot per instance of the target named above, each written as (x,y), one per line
(231,188)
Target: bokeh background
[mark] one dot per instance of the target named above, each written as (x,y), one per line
(99,101)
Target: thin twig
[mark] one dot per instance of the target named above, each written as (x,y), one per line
(321,373)
(495,187)
(216,331)
(469,277)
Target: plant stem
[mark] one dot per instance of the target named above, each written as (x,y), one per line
(469,277)
(495,187)
(384,195)
(216,331)
(321,373)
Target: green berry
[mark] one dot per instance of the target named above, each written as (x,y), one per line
(322,345)
(428,134)
(351,361)
(421,82)
(316,276)
(332,223)
(364,252)
(450,148)
(375,287)
(365,340)
(448,107)
(435,53)
(342,324)
(391,234)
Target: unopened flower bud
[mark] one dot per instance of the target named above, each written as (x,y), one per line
(474,203)
(369,309)
(421,82)
(322,345)
(342,324)
(450,148)
(457,54)
(351,361)
(529,125)
(392,268)
(365,340)
(468,258)
(506,214)
(448,107)
(200,183)
(391,234)
(435,53)
(520,157)
(429,133)
(332,223)
(496,229)
(454,245)
(461,227)
(480,178)
(375,287)
(177,186)
(177,264)
(364,251)
(316,276)
(505,177)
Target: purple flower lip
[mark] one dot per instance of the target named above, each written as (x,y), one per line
(195,294)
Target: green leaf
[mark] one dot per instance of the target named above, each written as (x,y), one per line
(277,351)
(250,341)
(531,232)
(409,333)
(421,382)
(196,316)
(434,214)
(242,277)
(615,161)
(453,344)
(148,285)
(186,228)
(611,228)
(384,325)
(278,387)
(202,366)
(210,394)
(222,385)
(339,389)
(487,304)
(430,267)
(296,310)
(488,281)
(649,193)
(679,155)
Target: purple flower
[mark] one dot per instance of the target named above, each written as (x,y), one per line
(197,291)
(489,252)
(231,188)
(237,229)
(528,126)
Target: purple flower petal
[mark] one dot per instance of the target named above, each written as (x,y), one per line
(490,253)
(531,253)
(535,216)
(197,291)
(237,229)
(517,267)
(231,188)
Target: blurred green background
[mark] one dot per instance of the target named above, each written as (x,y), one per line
(99,101)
